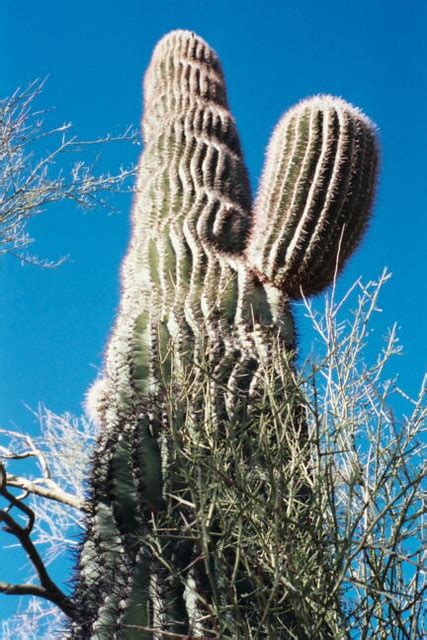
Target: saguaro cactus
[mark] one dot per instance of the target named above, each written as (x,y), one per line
(206,287)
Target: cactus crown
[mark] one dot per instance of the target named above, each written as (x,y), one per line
(206,285)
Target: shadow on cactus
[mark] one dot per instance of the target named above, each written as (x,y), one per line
(202,519)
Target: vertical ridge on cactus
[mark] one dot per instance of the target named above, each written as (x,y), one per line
(200,359)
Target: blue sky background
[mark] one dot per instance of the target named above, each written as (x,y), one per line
(54,323)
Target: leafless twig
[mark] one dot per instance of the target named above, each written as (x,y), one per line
(32,178)
(47,588)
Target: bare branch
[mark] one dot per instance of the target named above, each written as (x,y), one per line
(30,178)
(23,590)
(48,588)
(51,491)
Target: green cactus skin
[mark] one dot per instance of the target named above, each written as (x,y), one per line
(203,286)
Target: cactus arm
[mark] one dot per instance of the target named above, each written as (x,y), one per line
(315,195)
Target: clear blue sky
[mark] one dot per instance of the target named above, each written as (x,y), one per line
(54,324)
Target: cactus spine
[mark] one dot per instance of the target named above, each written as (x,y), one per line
(206,285)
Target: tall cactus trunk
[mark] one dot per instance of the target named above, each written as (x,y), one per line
(200,360)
